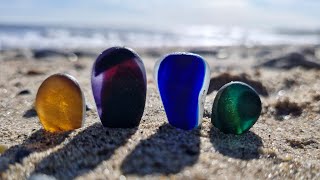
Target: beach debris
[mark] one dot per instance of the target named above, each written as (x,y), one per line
(119,87)
(24,92)
(291,60)
(301,144)
(236,108)
(30,113)
(60,97)
(21,153)
(3,148)
(285,107)
(34,72)
(183,80)
(224,78)
(45,53)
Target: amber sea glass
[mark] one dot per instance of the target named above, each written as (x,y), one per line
(60,103)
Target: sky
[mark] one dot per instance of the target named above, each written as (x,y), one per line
(164,13)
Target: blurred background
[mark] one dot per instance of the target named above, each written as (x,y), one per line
(101,23)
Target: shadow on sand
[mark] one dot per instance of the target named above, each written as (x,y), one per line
(84,152)
(245,146)
(39,141)
(168,151)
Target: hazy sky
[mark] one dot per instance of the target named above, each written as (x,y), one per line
(164,13)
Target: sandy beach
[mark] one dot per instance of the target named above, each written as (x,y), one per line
(283,144)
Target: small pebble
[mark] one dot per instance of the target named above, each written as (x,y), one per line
(24,92)
(34,72)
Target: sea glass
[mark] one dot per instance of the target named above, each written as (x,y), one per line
(119,87)
(236,108)
(60,103)
(183,80)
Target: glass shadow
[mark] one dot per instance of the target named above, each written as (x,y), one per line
(39,141)
(84,152)
(168,151)
(245,146)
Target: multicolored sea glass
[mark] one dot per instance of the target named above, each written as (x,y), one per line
(236,108)
(183,81)
(60,103)
(119,87)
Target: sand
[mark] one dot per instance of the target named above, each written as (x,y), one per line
(283,144)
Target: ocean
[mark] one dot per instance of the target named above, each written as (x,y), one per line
(61,37)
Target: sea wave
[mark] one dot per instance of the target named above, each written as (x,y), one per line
(39,37)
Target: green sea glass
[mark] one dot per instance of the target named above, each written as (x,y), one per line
(236,108)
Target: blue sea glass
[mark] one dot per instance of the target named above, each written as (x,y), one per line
(183,81)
